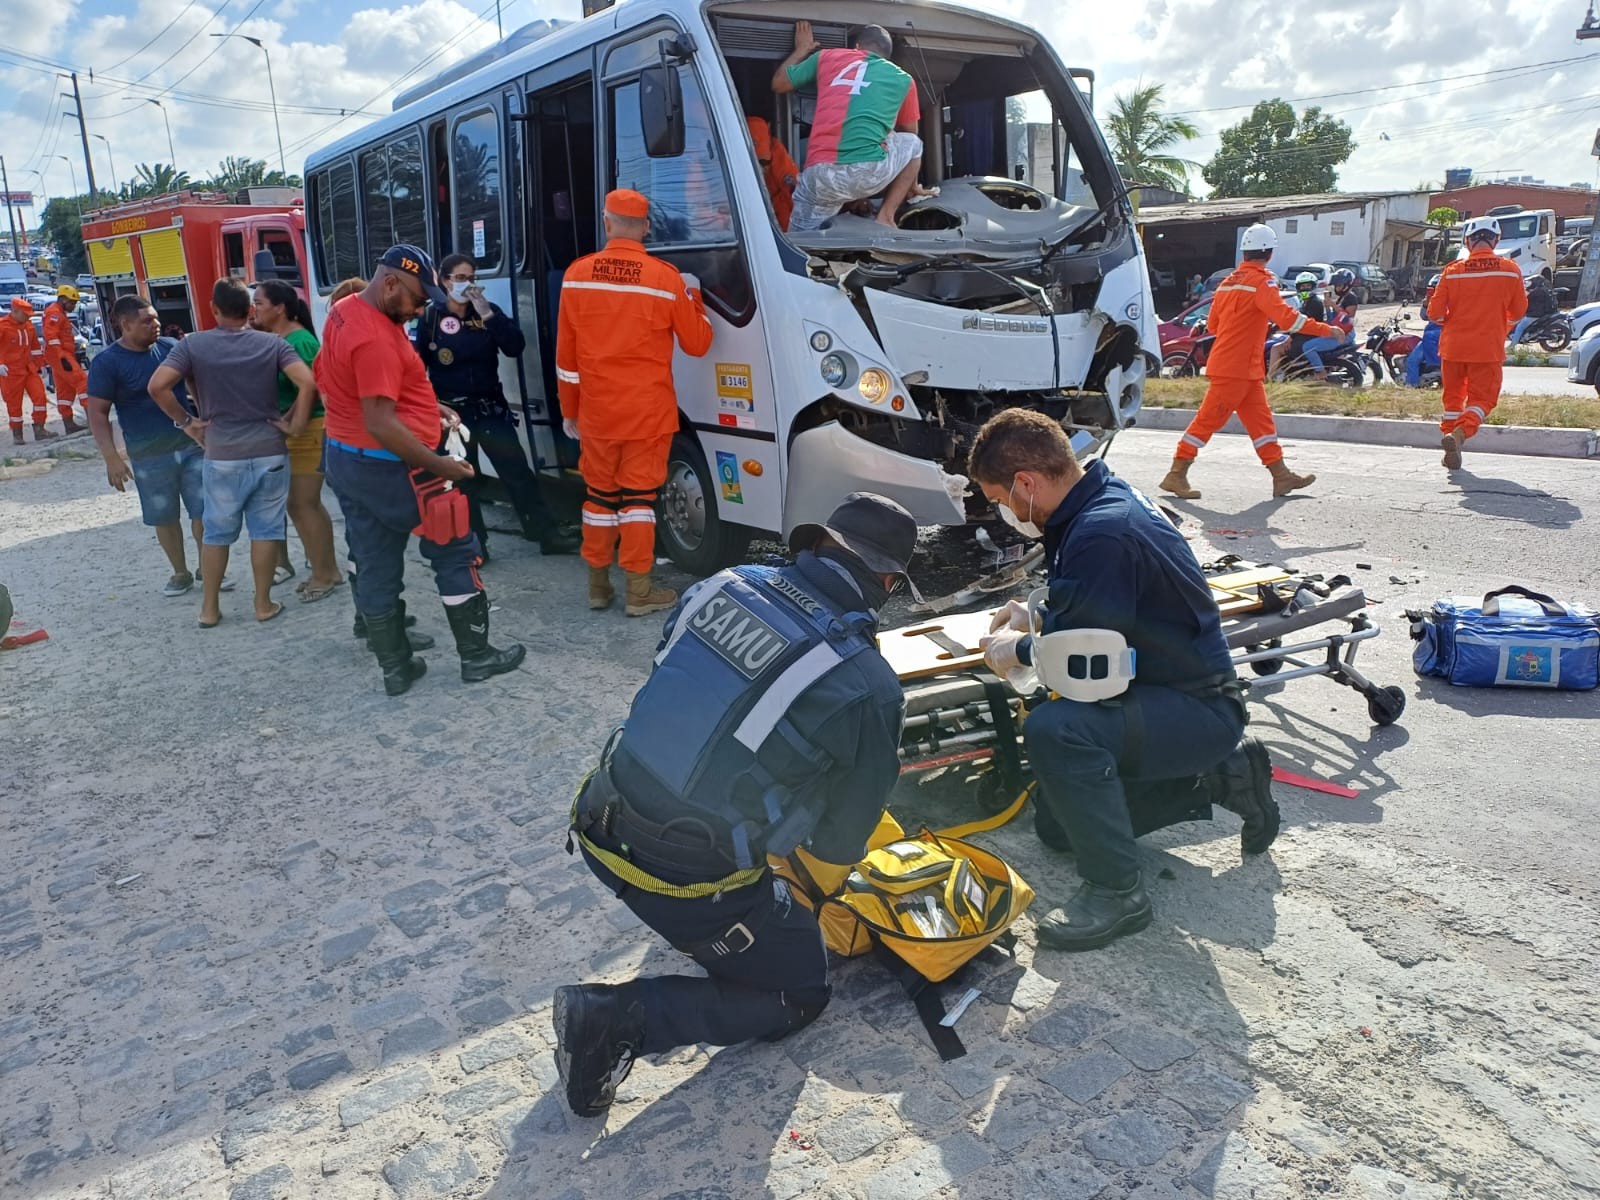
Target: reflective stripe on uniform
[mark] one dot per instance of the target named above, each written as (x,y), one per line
(1463,276)
(693,601)
(1473,408)
(763,718)
(1263,440)
(567,376)
(1299,324)
(632,288)
(1236,287)
(637,516)
(597,518)
(1197,443)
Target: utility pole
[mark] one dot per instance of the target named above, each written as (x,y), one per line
(1589,282)
(83,133)
(11,213)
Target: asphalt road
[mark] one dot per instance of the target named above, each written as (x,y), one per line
(1543,381)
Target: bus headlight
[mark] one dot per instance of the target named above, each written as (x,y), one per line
(821,341)
(874,385)
(834,370)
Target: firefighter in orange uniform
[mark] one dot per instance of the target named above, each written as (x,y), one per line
(1246,303)
(1478,300)
(779,171)
(61,354)
(620,311)
(21,356)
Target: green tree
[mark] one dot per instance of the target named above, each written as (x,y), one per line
(1272,152)
(1143,138)
(236,174)
(61,226)
(1444,219)
(157,180)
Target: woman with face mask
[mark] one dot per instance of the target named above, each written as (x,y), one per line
(1166,748)
(461,345)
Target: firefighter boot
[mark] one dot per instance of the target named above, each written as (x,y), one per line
(1242,784)
(1285,481)
(601,593)
(1450,443)
(644,597)
(41,434)
(1177,481)
(419,641)
(386,635)
(16,435)
(69,425)
(479,660)
(599,1032)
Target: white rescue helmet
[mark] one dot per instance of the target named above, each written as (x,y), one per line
(1258,237)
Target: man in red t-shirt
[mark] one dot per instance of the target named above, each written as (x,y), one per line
(382,424)
(863,135)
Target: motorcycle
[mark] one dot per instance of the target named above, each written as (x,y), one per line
(1388,347)
(1552,333)
(1345,366)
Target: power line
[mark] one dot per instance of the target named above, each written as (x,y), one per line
(129,58)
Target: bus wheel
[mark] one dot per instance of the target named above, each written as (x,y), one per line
(690,530)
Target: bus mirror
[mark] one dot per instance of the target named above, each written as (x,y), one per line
(661,111)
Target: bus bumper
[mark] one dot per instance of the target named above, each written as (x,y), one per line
(827,463)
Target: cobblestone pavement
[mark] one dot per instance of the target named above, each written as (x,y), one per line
(265,933)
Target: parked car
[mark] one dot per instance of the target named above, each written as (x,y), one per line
(1372,285)
(1323,272)
(1180,333)
(1583,360)
(1214,280)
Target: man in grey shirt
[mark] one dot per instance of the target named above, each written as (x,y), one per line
(232,372)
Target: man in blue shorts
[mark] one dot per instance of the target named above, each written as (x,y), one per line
(163,461)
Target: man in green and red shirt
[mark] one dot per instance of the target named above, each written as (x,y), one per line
(382,423)
(863,136)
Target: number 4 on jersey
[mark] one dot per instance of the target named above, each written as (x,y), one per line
(853,77)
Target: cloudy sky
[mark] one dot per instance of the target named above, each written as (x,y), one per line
(1419,97)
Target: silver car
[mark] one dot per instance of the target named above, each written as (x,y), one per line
(1583,360)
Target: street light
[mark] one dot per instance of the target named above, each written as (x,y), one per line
(115,186)
(283,165)
(173,154)
(74,173)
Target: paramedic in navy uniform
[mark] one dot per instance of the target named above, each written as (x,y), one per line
(1169,746)
(460,344)
(769,721)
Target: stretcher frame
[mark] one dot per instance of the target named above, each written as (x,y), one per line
(963,714)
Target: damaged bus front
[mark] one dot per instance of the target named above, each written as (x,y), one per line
(1022,282)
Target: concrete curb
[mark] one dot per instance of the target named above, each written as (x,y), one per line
(1384,431)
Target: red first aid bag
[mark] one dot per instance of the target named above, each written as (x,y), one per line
(442,507)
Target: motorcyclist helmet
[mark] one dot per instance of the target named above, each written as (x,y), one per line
(1434,282)
(1344,277)
(1305,281)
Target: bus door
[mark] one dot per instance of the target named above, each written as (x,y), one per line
(562,220)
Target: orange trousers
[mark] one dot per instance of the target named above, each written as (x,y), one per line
(1224,397)
(1471,390)
(621,480)
(17,384)
(69,386)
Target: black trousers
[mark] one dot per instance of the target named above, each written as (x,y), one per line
(1089,791)
(492,433)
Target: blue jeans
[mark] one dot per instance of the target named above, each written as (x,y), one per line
(1424,353)
(380,513)
(248,492)
(165,480)
(1520,328)
(1317,347)
(1077,751)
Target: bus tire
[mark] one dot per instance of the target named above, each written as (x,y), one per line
(689,528)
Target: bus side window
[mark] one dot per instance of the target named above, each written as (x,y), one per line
(475,170)
(333,199)
(688,194)
(439,163)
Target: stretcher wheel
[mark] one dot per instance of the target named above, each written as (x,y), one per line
(1266,666)
(1385,705)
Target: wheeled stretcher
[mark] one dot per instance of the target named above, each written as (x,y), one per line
(1281,627)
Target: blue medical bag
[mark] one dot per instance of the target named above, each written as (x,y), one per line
(1512,638)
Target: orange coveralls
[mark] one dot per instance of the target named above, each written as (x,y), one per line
(61,356)
(22,355)
(778,169)
(1246,303)
(1478,300)
(620,311)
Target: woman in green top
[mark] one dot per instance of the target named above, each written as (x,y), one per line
(279,309)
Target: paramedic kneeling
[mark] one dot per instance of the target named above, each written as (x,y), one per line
(1169,745)
(768,722)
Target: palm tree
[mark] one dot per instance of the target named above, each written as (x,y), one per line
(1142,137)
(235,174)
(158,180)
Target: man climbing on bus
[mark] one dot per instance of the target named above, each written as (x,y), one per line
(621,311)
(863,136)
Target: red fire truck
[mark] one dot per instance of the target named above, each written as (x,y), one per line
(170,249)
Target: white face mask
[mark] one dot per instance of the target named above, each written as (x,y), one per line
(458,292)
(1026,528)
